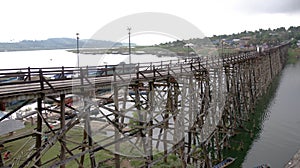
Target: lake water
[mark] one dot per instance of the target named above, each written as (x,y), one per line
(57,58)
(40,58)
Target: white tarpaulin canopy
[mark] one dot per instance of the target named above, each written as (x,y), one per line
(11,125)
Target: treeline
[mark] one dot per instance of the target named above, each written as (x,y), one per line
(269,37)
(55,43)
(266,36)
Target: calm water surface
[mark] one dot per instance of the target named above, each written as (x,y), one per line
(57,58)
(279,138)
(40,58)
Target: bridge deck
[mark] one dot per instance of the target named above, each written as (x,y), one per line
(41,84)
(36,80)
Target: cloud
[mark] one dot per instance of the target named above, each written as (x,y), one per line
(270,6)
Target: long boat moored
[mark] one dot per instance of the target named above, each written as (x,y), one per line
(226,162)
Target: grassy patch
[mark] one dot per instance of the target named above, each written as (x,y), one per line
(21,149)
(293,55)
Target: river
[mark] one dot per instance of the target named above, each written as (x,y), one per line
(278,138)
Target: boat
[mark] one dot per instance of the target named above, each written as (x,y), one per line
(226,162)
(263,166)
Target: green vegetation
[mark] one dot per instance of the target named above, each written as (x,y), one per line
(55,43)
(173,161)
(246,40)
(24,147)
(293,55)
(209,45)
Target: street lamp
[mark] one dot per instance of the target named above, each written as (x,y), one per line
(77,37)
(129,47)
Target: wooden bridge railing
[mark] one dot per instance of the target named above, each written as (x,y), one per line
(37,79)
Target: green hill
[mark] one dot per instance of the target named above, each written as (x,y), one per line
(55,43)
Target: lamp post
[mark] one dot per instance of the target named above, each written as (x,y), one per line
(77,39)
(129,45)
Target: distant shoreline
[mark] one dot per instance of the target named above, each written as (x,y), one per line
(54,44)
(35,49)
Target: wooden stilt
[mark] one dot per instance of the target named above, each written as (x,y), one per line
(62,125)
(38,142)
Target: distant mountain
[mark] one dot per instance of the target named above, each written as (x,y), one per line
(56,43)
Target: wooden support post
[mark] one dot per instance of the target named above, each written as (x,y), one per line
(38,142)
(62,72)
(251,86)
(29,74)
(137,71)
(1,161)
(117,134)
(83,148)
(218,145)
(126,90)
(81,80)
(41,79)
(271,69)
(182,154)
(190,115)
(140,116)
(166,124)
(62,125)
(84,131)
(90,140)
(181,119)
(151,111)
(238,93)
(207,162)
(105,70)
(189,146)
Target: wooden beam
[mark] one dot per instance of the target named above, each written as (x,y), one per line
(38,142)
(62,125)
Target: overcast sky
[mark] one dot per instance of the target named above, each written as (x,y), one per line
(42,19)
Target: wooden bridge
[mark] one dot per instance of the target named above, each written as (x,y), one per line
(180,112)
